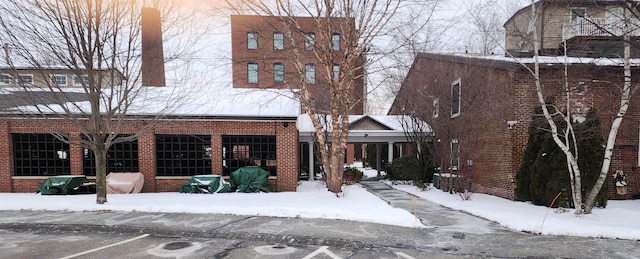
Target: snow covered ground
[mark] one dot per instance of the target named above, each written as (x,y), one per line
(619,220)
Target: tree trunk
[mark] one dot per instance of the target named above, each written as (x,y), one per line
(101,174)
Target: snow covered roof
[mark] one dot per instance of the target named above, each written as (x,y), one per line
(390,128)
(205,101)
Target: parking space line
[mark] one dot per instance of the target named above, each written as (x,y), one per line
(104,247)
(405,255)
(322,250)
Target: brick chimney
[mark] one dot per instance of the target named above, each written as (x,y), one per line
(152,52)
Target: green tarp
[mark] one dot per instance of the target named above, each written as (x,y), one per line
(66,184)
(205,184)
(249,179)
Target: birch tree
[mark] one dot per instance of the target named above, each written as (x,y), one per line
(99,42)
(566,140)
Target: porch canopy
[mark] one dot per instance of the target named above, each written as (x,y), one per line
(367,129)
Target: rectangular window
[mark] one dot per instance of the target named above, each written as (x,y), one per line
(436,108)
(80,80)
(241,150)
(5,79)
(310,73)
(335,41)
(577,13)
(278,41)
(278,73)
(455,154)
(39,155)
(121,157)
(25,79)
(336,73)
(183,155)
(455,98)
(58,80)
(252,73)
(310,41)
(252,40)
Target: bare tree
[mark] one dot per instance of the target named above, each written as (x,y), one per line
(360,24)
(99,43)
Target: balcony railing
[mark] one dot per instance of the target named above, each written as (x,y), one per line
(598,27)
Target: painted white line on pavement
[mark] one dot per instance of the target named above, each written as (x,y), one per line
(104,247)
(322,250)
(405,255)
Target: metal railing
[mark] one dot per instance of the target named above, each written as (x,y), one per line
(598,27)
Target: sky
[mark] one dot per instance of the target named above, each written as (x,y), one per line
(356,204)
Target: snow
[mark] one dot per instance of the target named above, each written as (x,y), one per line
(618,220)
(312,200)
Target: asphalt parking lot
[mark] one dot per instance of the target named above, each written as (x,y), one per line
(67,245)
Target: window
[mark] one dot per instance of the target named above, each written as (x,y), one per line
(121,157)
(58,80)
(40,155)
(455,154)
(252,73)
(455,98)
(310,73)
(183,155)
(336,73)
(278,41)
(310,41)
(252,40)
(25,79)
(80,80)
(436,108)
(5,79)
(278,73)
(335,41)
(241,150)
(577,13)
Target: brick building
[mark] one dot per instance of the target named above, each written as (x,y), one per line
(480,109)
(209,129)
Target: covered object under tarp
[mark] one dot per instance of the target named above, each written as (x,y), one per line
(249,179)
(66,184)
(205,184)
(124,183)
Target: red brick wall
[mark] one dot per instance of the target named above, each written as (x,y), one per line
(494,93)
(265,56)
(285,131)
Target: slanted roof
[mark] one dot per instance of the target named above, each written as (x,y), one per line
(370,128)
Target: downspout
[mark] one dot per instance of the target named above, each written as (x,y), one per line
(542,16)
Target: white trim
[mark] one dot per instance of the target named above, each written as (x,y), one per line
(52,76)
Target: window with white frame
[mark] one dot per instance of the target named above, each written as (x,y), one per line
(5,79)
(335,41)
(310,73)
(455,154)
(278,73)
(82,80)
(436,108)
(252,40)
(310,41)
(25,79)
(336,72)
(252,73)
(58,79)
(455,98)
(278,41)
